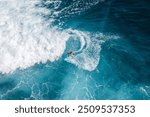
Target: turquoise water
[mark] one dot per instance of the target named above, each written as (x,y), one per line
(117,67)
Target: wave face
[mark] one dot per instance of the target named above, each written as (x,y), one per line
(109,61)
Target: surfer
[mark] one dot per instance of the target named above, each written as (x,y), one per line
(70,54)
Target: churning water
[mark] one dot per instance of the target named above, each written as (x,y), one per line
(109,40)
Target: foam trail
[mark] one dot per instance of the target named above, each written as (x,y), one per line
(88,59)
(82,37)
(89,56)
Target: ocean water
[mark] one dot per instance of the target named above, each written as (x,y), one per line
(110,41)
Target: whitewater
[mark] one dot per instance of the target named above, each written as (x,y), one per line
(27,38)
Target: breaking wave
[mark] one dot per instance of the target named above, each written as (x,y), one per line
(28,36)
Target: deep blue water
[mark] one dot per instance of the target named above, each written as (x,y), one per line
(123,71)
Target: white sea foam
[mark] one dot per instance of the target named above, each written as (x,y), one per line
(87,57)
(26,39)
